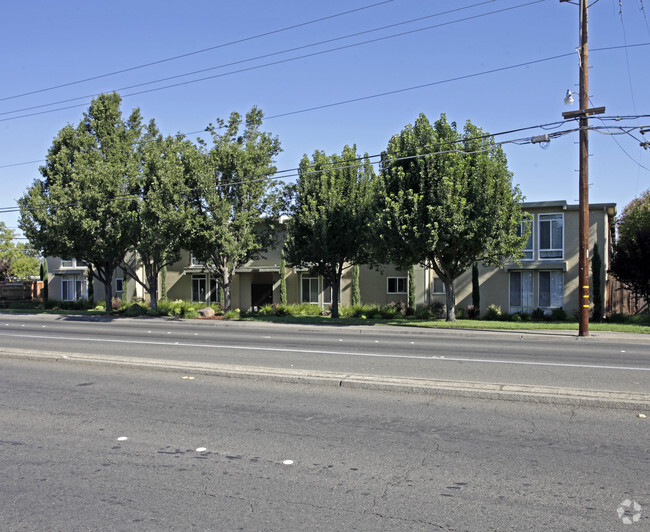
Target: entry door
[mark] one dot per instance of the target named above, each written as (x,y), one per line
(261,294)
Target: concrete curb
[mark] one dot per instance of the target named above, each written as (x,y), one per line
(507,392)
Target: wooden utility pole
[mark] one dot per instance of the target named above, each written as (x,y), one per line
(583,226)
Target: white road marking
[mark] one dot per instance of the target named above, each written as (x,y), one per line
(323,352)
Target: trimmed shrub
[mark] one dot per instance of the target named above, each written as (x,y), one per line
(493,312)
(473,312)
(558,314)
(538,315)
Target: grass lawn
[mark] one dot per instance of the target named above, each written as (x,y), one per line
(642,327)
(636,324)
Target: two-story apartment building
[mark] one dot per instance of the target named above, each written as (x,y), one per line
(546,278)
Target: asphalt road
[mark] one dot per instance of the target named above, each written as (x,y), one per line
(604,361)
(95,448)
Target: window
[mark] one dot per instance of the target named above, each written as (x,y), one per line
(214,291)
(194,261)
(397,285)
(73,287)
(528,250)
(521,291)
(119,285)
(438,286)
(309,290)
(551,236)
(68,263)
(198,288)
(551,289)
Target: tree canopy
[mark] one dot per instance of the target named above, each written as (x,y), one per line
(631,258)
(446,200)
(85,207)
(329,224)
(231,196)
(163,224)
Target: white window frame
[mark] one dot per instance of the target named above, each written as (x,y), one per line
(398,280)
(529,250)
(196,298)
(310,279)
(555,279)
(194,262)
(119,285)
(68,263)
(553,252)
(78,290)
(527,299)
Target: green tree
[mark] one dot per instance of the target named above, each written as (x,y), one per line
(329,226)
(231,195)
(356,288)
(631,258)
(163,212)
(85,206)
(446,199)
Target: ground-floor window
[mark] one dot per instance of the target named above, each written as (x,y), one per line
(119,285)
(214,291)
(438,286)
(397,285)
(198,288)
(551,289)
(521,292)
(73,287)
(309,290)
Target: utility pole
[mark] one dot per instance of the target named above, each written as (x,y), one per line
(583,226)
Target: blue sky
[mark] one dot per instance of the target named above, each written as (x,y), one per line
(46,44)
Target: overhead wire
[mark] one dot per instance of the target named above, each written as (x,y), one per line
(196,52)
(255,67)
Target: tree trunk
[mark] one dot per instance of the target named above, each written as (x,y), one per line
(226,281)
(152,284)
(335,295)
(450,295)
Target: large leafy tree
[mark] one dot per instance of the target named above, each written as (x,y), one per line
(329,225)
(446,200)
(631,260)
(232,194)
(85,206)
(163,211)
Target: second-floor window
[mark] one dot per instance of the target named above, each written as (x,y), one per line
(551,236)
(528,250)
(194,261)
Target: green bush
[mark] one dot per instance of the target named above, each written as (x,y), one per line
(516,318)
(136,309)
(232,314)
(558,314)
(538,315)
(190,313)
(424,313)
(493,312)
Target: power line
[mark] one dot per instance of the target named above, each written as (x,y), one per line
(264,56)
(188,54)
(247,69)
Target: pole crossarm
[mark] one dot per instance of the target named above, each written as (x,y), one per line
(581,113)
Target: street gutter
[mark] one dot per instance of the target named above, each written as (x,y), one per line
(504,392)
